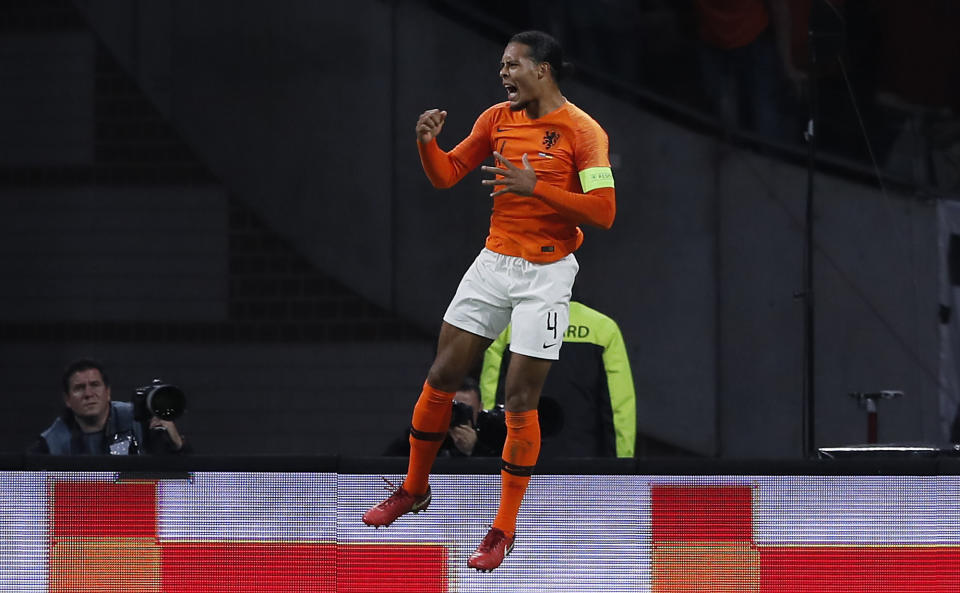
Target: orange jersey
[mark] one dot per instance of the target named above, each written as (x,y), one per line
(566,148)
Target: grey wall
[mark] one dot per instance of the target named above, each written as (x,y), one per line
(46,79)
(114,254)
(306,112)
(875,290)
(290,104)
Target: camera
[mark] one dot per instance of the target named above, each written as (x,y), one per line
(462,414)
(492,427)
(165,401)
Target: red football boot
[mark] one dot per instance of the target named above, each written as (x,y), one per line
(491,551)
(399,503)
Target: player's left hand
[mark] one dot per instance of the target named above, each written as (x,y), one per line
(510,177)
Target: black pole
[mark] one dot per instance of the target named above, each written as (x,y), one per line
(825,38)
(809,326)
(394,183)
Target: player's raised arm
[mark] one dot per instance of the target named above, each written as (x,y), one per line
(445,169)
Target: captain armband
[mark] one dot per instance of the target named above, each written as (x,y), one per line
(595,178)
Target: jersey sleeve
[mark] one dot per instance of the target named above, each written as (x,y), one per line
(623,399)
(446,169)
(597,205)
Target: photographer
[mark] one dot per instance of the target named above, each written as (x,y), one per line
(473,432)
(92,424)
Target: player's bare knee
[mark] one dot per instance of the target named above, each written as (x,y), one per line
(521,400)
(444,378)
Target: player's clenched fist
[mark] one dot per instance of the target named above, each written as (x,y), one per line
(429,125)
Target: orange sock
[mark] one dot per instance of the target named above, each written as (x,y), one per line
(520,452)
(431,421)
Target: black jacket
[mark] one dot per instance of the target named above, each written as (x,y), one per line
(122,435)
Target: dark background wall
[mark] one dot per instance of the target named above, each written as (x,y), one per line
(257,160)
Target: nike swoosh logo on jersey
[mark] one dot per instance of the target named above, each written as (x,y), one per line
(545,345)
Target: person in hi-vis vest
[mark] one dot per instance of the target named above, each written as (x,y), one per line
(588,407)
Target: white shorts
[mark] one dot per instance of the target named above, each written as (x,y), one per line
(535,298)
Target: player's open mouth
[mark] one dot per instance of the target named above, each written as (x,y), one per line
(511,91)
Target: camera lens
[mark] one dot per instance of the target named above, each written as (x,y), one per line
(166,402)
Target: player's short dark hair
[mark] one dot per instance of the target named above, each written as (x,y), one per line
(545,48)
(82,364)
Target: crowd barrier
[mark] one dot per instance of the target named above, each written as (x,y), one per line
(284,524)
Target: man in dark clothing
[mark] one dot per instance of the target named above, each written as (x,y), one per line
(92,424)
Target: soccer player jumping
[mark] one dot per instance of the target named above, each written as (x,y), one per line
(552,173)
